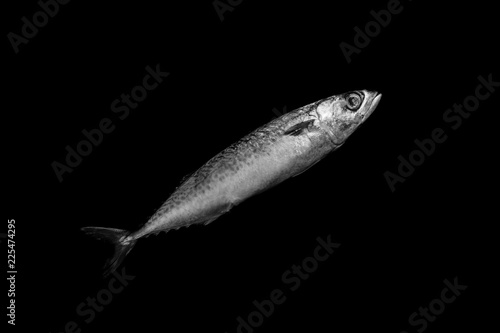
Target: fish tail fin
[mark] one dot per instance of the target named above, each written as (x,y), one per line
(118,238)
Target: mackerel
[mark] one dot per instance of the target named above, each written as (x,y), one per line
(283,148)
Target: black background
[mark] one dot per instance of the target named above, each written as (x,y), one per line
(225,80)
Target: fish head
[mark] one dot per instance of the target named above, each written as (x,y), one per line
(340,115)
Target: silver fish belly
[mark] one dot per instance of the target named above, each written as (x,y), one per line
(281,149)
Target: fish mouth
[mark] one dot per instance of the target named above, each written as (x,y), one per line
(374,100)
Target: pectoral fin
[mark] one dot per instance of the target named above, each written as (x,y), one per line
(299,128)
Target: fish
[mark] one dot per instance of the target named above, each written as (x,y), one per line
(283,148)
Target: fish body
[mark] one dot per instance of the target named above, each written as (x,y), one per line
(283,148)
(255,163)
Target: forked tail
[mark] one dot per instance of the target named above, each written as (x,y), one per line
(118,238)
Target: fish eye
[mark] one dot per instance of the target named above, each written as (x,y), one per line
(353,100)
